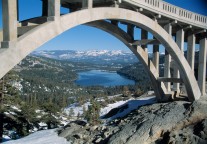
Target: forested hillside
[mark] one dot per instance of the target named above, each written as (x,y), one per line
(43,79)
(38,89)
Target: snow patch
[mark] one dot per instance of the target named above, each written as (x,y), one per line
(77,109)
(41,137)
(131,105)
(6,138)
(42,124)
(18,85)
(109,107)
(16,108)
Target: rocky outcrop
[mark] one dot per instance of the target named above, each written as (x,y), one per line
(171,122)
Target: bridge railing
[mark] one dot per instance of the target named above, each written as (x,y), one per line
(171,11)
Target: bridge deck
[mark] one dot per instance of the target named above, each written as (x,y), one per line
(151,8)
(158,10)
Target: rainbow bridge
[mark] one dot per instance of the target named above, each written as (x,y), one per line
(171,26)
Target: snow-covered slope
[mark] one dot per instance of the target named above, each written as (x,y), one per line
(110,112)
(41,137)
(76,108)
(114,110)
(67,54)
(122,108)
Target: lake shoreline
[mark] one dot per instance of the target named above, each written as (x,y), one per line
(104,78)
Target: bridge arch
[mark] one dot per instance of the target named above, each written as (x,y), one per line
(45,32)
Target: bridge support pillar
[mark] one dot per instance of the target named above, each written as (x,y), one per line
(180,43)
(156,56)
(53,9)
(144,35)
(130,30)
(115,22)
(9,8)
(87,4)
(167,74)
(44,7)
(202,66)
(116,3)
(191,50)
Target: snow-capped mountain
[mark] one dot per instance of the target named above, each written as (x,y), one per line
(92,56)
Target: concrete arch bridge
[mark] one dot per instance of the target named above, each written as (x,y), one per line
(170,26)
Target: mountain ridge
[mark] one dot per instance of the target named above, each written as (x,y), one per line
(108,57)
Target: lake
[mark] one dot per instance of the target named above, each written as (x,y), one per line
(102,78)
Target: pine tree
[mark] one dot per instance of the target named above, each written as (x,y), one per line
(28,113)
(92,114)
(64,101)
(51,110)
(8,94)
(35,100)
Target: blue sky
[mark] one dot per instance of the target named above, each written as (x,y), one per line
(86,38)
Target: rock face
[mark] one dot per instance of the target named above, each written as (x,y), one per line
(173,122)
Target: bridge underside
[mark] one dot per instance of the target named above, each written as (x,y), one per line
(21,39)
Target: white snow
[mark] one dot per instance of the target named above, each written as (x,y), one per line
(109,107)
(118,95)
(132,105)
(78,54)
(6,138)
(117,52)
(77,109)
(33,130)
(15,108)
(6,113)
(38,111)
(40,137)
(64,118)
(18,85)
(64,122)
(12,113)
(42,124)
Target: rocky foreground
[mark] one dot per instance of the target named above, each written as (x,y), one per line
(177,122)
